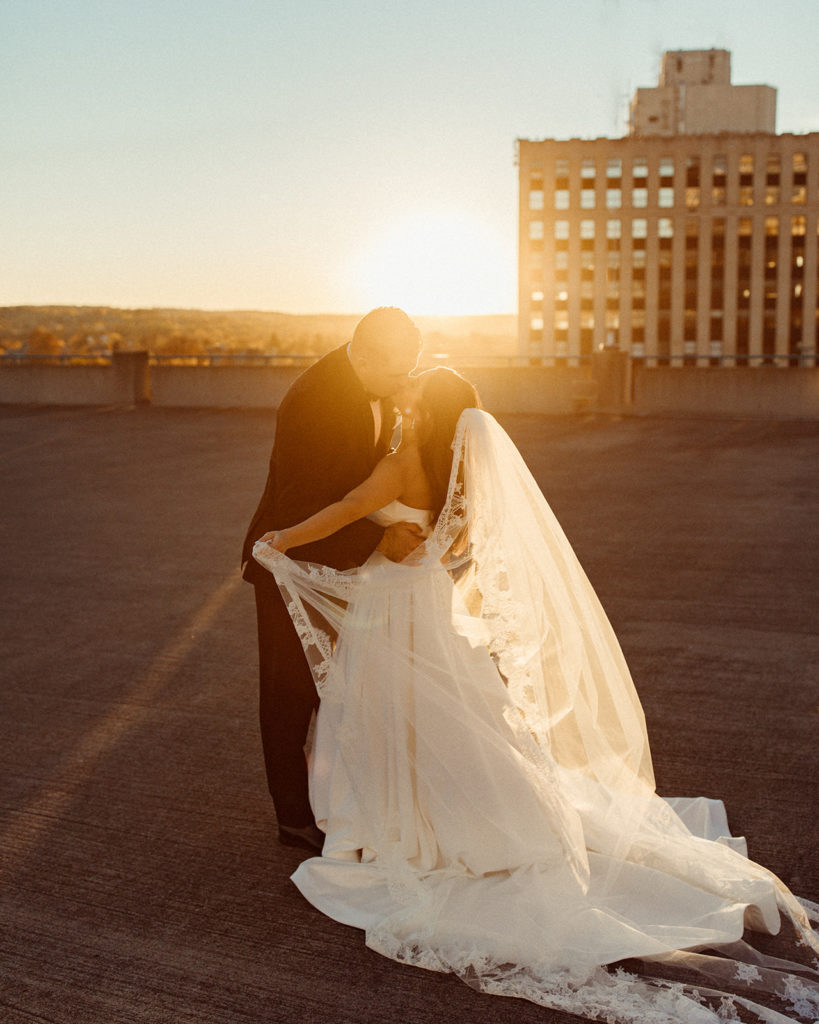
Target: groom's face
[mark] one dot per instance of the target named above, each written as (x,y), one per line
(386,374)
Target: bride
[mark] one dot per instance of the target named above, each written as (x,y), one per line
(480,763)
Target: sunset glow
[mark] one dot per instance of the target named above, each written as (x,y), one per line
(319,158)
(438,263)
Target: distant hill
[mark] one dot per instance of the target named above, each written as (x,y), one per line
(97,329)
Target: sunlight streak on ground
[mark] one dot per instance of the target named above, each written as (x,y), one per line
(30,824)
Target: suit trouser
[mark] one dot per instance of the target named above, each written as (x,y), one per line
(287,699)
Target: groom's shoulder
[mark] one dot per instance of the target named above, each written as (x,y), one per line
(330,373)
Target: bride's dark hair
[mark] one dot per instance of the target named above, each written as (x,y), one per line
(444,396)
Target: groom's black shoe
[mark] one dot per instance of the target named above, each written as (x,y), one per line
(309,838)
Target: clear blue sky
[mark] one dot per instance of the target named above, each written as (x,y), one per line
(309,156)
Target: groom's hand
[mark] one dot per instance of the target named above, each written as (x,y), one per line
(399,540)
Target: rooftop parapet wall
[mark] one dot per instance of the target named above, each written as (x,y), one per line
(763,393)
(126,380)
(608,383)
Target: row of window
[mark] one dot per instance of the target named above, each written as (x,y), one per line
(693,183)
(793,296)
(639,228)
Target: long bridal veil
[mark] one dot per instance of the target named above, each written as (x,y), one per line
(485,779)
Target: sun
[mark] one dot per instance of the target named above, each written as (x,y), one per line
(438,264)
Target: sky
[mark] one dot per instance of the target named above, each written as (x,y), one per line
(323,157)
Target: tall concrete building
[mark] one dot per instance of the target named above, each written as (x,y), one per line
(693,239)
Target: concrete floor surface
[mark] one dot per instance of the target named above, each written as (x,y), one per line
(140,877)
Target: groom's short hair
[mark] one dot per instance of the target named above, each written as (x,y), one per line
(386,330)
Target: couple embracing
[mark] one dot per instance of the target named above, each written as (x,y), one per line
(479,787)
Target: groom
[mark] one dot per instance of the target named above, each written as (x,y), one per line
(332,427)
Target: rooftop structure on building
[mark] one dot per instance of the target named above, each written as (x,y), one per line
(696,244)
(694,96)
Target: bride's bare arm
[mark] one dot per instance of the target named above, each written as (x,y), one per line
(383,485)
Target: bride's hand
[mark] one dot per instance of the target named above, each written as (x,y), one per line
(276,539)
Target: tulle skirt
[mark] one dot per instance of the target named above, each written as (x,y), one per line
(451,839)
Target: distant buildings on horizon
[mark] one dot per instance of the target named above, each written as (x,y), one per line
(693,239)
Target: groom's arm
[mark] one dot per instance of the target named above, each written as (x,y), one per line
(321,454)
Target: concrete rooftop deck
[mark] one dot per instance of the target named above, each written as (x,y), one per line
(140,878)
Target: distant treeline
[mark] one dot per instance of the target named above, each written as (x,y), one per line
(97,330)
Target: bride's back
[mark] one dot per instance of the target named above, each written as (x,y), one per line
(417,490)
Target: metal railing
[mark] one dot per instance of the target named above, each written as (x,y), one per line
(250,359)
(55,359)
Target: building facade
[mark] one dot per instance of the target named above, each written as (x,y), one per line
(675,247)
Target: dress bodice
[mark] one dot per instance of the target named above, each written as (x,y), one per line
(398,512)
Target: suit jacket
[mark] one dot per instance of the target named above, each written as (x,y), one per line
(323,448)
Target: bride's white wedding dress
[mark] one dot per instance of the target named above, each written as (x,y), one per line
(482,773)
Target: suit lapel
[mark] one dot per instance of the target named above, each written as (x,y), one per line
(387,427)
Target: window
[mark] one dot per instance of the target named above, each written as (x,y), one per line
(536,199)
(691,296)
(639,227)
(692,182)
(798,236)
(561,230)
(638,331)
(561,199)
(613,266)
(614,198)
(613,229)
(614,167)
(772,179)
(587,229)
(746,180)
(666,170)
(639,191)
(799,191)
(717,265)
(587,183)
(771,256)
(612,326)
(536,229)
(665,232)
(744,229)
(719,180)
(666,197)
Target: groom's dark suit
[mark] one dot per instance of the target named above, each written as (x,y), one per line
(324,447)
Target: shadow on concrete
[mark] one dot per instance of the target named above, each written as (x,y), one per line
(140,876)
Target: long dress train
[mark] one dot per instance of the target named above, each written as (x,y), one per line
(482,772)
